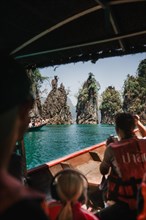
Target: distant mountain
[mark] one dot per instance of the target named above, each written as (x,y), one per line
(72,108)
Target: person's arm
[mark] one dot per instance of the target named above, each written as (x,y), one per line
(140,126)
(106,163)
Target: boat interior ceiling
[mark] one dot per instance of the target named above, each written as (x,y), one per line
(53,32)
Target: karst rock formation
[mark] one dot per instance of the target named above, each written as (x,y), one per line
(87,104)
(55,108)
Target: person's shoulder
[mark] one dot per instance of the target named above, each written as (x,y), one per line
(25,208)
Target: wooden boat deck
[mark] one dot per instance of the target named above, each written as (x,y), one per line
(86,161)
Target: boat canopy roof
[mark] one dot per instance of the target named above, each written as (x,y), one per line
(53,32)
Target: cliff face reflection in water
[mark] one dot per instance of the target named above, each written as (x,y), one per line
(54,141)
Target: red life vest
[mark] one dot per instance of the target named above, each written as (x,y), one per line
(79,213)
(130,157)
(142,215)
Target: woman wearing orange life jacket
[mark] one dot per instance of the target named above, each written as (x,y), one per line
(125,163)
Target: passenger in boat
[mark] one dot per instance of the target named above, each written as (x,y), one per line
(69,191)
(124,162)
(16,201)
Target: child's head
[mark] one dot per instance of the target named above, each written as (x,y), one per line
(70,186)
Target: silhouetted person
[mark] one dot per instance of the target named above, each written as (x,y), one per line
(16,200)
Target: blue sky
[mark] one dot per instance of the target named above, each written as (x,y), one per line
(107,71)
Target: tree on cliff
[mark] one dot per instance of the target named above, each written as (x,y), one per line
(141,73)
(131,96)
(87,104)
(134,93)
(110,105)
(37,80)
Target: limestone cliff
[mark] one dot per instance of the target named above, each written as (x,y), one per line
(55,108)
(110,105)
(134,95)
(36,79)
(87,104)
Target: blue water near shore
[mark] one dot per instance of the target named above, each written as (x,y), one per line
(55,141)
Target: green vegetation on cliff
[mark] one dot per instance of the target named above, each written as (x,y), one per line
(37,81)
(134,94)
(87,104)
(110,105)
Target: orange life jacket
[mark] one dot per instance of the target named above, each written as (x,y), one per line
(142,215)
(130,155)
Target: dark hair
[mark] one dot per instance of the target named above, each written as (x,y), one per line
(125,122)
(15,85)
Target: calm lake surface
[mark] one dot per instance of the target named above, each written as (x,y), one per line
(54,141)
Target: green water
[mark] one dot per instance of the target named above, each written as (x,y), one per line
(54,141)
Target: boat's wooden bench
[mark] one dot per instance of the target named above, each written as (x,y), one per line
(55,169)
(91,171)
(87,163)
(78,160)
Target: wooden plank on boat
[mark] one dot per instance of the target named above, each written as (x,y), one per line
(55,169)
(41,177)
(85,164)
(66,165)
(91,170)
(80,159)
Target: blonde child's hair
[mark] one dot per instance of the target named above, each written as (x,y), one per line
(70,186)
